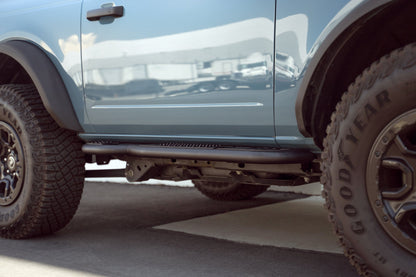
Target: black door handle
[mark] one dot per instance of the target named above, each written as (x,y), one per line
(116,11)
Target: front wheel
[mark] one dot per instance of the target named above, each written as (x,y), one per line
(369,167)
(41,167)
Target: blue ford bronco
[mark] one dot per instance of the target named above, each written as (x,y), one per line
(233,95)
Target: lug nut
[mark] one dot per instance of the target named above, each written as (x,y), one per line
(130,173)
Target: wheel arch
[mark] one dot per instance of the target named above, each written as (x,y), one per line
(373,30)
(22,62)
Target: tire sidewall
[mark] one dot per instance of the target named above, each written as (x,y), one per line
(348,169)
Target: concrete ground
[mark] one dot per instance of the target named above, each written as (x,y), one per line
(148,230)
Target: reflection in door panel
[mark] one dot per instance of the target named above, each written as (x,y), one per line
(185,81)
(219,56)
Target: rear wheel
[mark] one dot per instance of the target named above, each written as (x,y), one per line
(41,167)
(369,167)
(229,191)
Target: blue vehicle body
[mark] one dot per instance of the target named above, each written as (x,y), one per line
(166,78)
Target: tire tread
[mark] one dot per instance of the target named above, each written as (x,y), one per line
(58,167)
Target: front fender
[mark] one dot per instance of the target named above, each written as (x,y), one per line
(47,81)
(329,42)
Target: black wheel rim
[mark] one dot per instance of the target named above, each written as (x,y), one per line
(391,179)
(11,165)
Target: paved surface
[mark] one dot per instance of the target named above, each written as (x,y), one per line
(281,225)
(126,230)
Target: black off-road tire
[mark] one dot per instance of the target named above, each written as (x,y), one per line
(43,177)
(368,152)
(229,191)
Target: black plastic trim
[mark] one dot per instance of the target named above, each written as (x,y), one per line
(104,173)
(237,155)
(47,81)
(302,100)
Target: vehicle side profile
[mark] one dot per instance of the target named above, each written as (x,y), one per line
(234,95)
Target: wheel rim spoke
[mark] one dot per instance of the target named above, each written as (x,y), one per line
(404,209)
(406,178)
(404,149)
(6,190)
(12,189)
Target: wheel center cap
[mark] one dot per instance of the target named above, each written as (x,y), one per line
(11,162)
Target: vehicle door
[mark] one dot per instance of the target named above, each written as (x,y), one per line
(179,70)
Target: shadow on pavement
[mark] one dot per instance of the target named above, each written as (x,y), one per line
(111,236)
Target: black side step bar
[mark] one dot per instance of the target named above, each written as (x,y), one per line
(236,155)
(104,173)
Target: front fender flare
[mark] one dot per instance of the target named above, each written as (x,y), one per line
(330,42)
(46,79)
